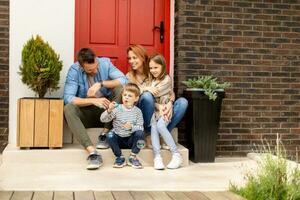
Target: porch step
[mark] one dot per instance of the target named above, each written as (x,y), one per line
(75,154)
(94,133)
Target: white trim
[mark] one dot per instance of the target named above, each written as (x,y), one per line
(172,27)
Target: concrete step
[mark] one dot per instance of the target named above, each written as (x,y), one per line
(75,154)
(94,133)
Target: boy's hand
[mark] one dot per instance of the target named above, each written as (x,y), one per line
(111,106)
(127,126)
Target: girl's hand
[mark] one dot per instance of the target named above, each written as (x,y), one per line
(168,110)
(153,90)
(127,126)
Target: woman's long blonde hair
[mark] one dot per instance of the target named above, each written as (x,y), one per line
(141,53)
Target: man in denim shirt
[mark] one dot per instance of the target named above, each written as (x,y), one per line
(91,84)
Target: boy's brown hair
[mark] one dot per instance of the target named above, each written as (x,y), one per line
(159,59)
(131,87)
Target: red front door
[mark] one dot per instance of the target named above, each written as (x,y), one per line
(110,26)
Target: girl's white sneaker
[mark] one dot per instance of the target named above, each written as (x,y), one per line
(158,163)
(175,162)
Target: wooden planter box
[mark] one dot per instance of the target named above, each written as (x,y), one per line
(40,122)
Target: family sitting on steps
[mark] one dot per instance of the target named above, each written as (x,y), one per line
(130,108)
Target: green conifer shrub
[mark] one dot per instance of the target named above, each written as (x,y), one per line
(41,66)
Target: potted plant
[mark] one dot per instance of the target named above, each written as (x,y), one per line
(204,95)
(40,119)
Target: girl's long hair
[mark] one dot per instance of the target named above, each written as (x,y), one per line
(159,59)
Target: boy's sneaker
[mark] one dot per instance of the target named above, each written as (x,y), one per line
(119,162)
(158,163)
(134,162)
(94,161)
(102,142)
(175,162)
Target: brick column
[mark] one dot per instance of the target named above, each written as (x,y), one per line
(4,71)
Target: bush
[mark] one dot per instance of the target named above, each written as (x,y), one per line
(40,68)
(273,180)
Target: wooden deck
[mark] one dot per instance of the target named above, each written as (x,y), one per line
(133,195)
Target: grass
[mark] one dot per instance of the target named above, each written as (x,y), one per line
(274,178)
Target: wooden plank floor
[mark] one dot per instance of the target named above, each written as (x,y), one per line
(121,195)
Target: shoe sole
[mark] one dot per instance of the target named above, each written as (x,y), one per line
(135,167)
(93,167)
(102,147)
(119,166)
(159,168)
(174,168)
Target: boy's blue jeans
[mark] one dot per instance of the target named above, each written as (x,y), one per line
(116,142)
(147,104)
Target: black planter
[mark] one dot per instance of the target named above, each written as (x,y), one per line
(202,124)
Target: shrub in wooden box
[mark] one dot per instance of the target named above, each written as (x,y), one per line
(40,122)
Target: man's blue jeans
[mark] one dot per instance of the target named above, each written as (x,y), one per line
(116,142)
(147,104)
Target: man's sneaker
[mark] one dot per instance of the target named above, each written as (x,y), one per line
(158,162)
(175,162)
(119,162)
(102,142)
(94,161)
(134,162)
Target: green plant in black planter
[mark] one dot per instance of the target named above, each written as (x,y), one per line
(204,95)
(41,66)
(207,83)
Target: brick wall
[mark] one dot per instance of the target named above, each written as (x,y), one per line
(4,70)
(255,45)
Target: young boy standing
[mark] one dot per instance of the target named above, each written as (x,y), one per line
(128,129)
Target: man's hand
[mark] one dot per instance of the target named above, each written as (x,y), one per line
(93,90)
(127,126)
(101,102)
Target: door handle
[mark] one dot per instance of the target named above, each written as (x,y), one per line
(161,28)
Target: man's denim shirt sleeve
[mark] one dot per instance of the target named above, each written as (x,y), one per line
(71,84)
(116,74)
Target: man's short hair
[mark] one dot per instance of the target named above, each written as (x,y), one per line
(85,55)
(131,87)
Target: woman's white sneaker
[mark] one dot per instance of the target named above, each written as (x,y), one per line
(175,162)
(158,163)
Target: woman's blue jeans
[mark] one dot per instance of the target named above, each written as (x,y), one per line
(147,104)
